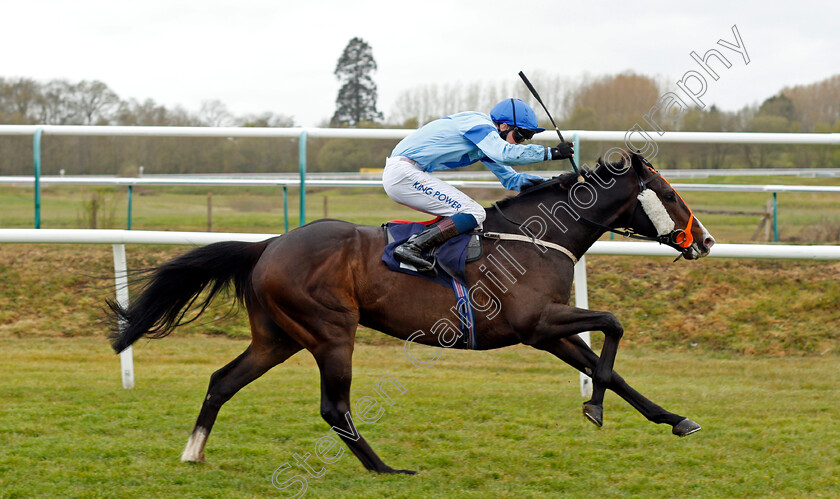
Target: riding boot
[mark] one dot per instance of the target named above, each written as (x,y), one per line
(411,251)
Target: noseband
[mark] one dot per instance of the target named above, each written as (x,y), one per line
(678,237)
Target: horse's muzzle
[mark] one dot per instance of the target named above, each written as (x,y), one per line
(698,249)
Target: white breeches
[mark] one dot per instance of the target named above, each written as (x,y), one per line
(406,183)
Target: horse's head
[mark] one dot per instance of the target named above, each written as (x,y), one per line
(625,194)
(661,213)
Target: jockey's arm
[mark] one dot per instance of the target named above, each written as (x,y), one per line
(500,154)
(510,178)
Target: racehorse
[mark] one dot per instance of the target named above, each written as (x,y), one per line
(311,287)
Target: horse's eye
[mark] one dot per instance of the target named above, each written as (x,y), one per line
(670,197)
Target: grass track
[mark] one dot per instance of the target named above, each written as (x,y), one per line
(498,424)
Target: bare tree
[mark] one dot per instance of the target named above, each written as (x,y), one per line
(425,103)
(215,113)
(58,104)
(619,101)
(816,103)
(95,102)
(267,119)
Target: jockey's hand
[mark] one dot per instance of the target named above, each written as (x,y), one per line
(527,180)
(564,150)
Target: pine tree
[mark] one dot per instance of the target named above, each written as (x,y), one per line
(356,101)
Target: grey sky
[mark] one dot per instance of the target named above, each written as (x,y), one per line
(260,55)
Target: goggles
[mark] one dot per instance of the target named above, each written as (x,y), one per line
(522,134)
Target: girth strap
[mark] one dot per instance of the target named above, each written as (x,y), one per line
(518,237)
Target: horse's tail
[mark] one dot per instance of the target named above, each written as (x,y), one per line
(175,287)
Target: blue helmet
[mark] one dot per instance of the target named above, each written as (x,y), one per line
(515,113)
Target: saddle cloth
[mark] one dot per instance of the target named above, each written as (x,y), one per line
(450,260)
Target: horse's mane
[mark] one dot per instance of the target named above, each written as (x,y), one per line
(562,182)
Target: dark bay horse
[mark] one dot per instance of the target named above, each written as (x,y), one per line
(311,288)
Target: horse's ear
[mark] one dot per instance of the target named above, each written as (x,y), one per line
(636,160)
(626,159)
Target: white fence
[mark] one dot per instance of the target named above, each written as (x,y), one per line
(118,238)
(399,133)
(26,180)
(115,236)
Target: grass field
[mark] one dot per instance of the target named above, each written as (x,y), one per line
(496,424)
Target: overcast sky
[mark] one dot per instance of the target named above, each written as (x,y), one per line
(279,56)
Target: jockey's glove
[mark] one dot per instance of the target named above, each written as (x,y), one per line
(564,150)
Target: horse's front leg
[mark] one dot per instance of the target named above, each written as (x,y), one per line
(561,321)
(577,354)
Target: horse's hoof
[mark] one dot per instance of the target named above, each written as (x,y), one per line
(685,428)
(594,413)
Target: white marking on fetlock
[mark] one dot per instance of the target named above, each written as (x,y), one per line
(194,451)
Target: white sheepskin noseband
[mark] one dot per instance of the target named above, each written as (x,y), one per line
(656,211)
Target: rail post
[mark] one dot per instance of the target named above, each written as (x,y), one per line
(582,301)
(121,284)
(36,159)
(285,210)
(130,192)
(775,219)
(302,161)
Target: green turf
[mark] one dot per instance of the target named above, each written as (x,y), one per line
(475,424)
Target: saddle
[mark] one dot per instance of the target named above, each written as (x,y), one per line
(473,246)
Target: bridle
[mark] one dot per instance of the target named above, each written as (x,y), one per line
(681,238)
(678,237)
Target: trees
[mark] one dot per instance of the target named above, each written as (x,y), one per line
(94,102)
(589,103)
(356,101)
(816,103)
(19,99)
(215,113)
(618,101)
(422,104)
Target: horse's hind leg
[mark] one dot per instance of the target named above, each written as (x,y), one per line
(579,355)
(269,346)
(335,362)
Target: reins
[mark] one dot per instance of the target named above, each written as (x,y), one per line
(678,237)
(534,240)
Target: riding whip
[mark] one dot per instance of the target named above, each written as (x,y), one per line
(556,129)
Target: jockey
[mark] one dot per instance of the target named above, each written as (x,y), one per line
(456,141)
